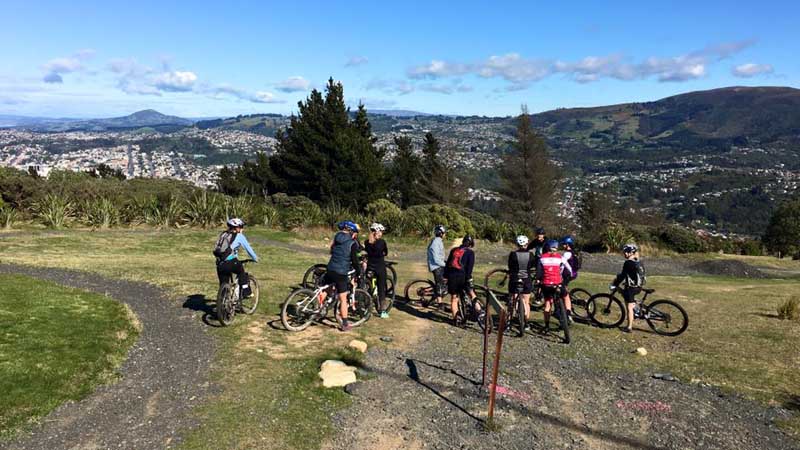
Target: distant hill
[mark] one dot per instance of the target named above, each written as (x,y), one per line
(398,112)
(704,118)
(146,118)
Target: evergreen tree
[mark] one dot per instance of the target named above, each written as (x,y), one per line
(783,232)
(405,174)
(595,213)
(528,177)
(438,183)
(325,156)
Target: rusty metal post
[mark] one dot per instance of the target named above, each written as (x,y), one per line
(485,342)
(496,366)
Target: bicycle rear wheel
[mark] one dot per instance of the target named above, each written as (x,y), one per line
(520,316)
(300,309)
(496,280)
(537,297)
(666,317)
(419,291)
(562,319)
(358,311)
(390,294)
(313,276)
(226,306)
(606,310)
(482,299)
(249,304)
(464,311)
(580,300)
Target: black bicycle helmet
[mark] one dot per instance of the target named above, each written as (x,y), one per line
(468,241)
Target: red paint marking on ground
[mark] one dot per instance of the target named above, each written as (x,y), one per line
(502,390)
(644,406)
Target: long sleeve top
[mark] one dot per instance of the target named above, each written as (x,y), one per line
(436,254)
(629,273)
(467,263)
(241,242)
(376,252)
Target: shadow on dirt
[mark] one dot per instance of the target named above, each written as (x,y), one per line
(199,303)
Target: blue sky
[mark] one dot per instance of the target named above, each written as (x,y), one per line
(201,58)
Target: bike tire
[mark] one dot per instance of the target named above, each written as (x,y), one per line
(313,275)
(249,305)
(606,310)
(390,294)
(464,311)
(393,274)
(563,320)
(226,309)
(299,310)
(482,298)
(537,297)
(580,299)
(496,280)
(357,313)
(658,313)
(415,292)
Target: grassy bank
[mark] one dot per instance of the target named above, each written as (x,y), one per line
(56,344)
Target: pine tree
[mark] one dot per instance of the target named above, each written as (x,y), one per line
(529,179)
(405,174)
(438,183)
(595,213)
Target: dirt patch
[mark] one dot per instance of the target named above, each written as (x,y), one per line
(729,268)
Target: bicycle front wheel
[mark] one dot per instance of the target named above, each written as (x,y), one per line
(313,276)
(666,317)
(249,304)
(580,300)
(390,294)
(562,318)
(359,308)
(520,312)
(226,307)
(496,280)
(419,291)
(299,310)
(606,310)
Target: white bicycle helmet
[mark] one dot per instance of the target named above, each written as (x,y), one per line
(630,248)
(235,222)
(377,227)
(522,240)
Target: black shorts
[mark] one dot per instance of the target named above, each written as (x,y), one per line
(630,294)
(456,284)
(342,282)
(550,292)
(526,285)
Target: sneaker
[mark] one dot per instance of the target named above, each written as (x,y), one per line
(384,315)
(346,326)
(569,319)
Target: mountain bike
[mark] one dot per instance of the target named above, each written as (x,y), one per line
(559,309)
(313,275)
(304,306)
(229,298)
(663,316)
(370,284)
(579,298)
(467,310)
(516,309)
(421,291)
(497,279)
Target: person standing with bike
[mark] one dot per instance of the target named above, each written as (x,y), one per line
(377,251)
(537,246)
(458,273)
(344,259)
(436,262)
(549,273)
(226,252)
(520,266)
(633,279)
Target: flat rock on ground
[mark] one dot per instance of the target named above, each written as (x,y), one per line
(164,377)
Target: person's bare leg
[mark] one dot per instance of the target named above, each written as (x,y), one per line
(526,301)
(454,306)
(631,306)
(343,305)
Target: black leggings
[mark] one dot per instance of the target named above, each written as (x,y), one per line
(380,274)
(226,268)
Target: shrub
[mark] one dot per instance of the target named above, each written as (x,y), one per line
(790,309)
(681,239)
(334,213)
(750,247)
(297,211)
(241,206)
(8,216)
(54,210)
(615,236)
(422,218)
(385,212)
(102,213)
(268,216)
(167,213)
(204,209)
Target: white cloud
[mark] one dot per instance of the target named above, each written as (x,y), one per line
(58,66)
(175,81)
(293,84)
(438,88)
(751,70)
(438,69)
(396,87)
(356,61)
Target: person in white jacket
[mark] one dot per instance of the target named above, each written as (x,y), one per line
(436,261)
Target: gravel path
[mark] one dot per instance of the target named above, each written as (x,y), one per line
(164,377)
(428,397)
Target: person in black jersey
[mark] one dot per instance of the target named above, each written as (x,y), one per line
(632,279)
(520,267)
(377,250)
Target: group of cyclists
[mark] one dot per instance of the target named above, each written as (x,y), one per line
(547,263)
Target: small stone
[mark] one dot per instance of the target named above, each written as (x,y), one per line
(386,338)
(354,388)
(355,344)
(336,374)
(641,351)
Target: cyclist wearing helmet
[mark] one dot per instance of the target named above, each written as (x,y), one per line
(550,272)
(571,259)
(436,261)
(458,273)
(537,245)
(344,258)
(520,265)
(632,279)
(377,250)
(227,255)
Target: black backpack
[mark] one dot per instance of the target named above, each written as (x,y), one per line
(223,247)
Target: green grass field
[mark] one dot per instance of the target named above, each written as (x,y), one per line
(268,376)
(56,344)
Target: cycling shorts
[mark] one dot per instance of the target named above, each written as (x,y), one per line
(526,286)
(342,282)
(550,292)
(456,284)
(629,294)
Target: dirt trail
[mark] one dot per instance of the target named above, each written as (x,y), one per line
(164,377)
(428,396)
